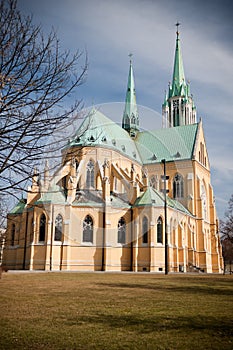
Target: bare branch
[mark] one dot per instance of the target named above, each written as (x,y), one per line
(36,80)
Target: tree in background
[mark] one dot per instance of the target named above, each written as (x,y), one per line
(226,229)
(36,79)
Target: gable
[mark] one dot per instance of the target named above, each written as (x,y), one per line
(200,149)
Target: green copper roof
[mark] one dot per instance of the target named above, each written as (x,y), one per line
(154,198)
(178,80)
(150,197)
(54,195)
(130,117)
(165,102)
(99,130)
(171,144)
(172,203)
(148,147)
(178,90)
(18,209)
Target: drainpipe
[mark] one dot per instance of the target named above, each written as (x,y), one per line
(103,243)
(25,241)
(51,241)
(131,243)
(61,255)
(165,178)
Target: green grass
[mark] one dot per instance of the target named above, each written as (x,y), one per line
(115,311)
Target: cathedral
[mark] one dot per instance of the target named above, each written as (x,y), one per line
(123,199)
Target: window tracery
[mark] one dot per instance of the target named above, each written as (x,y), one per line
(121,231)
(178,186)
(88,229)
(90,174)
(58,228)
(160,230)
(42,228)
(145,230)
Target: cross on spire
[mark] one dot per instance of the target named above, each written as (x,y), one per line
(177,28)
(130,57)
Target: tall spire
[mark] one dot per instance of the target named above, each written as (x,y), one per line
(130,120)
(178,108)
(178,80)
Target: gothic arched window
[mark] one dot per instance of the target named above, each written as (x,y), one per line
(64,185)
(154,182)
(42,228)
(76,164)
(176,121)
(204,201)
(121,231)
(160,230)
(133,119)
(13,234)
(178,186)
(115,184)
(145,230)
(88,229)
(58,228)
(90,177)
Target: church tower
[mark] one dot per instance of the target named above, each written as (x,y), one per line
(130,121)
(178,107)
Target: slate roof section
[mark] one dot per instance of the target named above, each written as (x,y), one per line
(118,202)
(87,198)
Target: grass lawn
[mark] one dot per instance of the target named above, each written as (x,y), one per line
(115,311)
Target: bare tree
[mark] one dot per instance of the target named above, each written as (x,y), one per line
(226,229)
(226,226)
(3,214)
(36,80)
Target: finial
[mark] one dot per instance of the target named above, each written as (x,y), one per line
(46,166)
(130,57)
(177,29)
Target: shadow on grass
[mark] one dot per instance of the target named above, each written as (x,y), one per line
(194,289)
(149,324)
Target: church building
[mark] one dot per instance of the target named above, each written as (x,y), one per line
(124,199)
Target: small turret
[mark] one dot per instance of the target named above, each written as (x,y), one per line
(35,180)
(106,181)
(46,175)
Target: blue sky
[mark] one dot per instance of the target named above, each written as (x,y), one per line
(109,30)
